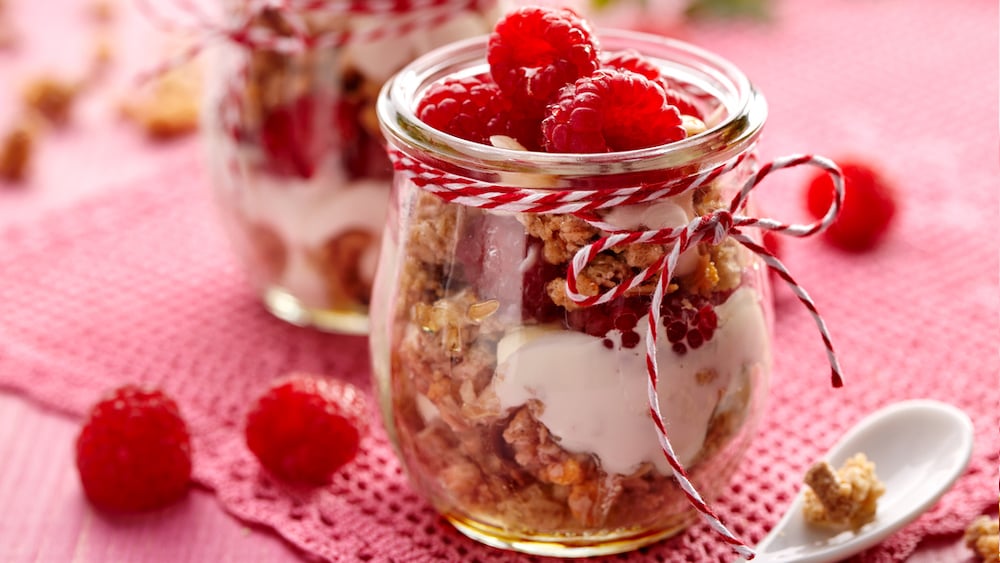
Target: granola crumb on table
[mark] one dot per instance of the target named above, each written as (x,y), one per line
(102,11)
(983,537)
(168,107)
(16,149)
(51,97)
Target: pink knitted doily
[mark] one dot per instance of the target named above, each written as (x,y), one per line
(138,285)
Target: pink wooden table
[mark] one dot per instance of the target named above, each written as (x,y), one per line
(43,516)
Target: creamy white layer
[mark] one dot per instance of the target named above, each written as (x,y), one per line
(595,398)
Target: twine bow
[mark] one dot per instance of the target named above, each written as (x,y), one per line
(712,228)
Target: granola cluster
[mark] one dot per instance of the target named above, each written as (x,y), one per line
(983,537)
(843,499)
(467,278)
(167,107)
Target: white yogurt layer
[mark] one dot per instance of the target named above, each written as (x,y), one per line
(595,398)
(307,214)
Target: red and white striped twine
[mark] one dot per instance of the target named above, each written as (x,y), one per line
(712,228)
(246,28)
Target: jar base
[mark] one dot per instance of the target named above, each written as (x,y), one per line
(290,309)
(563,546)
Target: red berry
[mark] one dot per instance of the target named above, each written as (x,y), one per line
(286,134)
(535,51)
(473,109)
(690,321)
(622,314)
(868,209)
(134,451)
(306,427)
(291,138)
(536,304)
(631,60)
(611,110)
(772,243)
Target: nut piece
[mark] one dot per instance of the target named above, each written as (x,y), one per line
(51,97)
(169,106)
(102,11)
(692,125)
(983,536)
(16,148)
(847,498)
(103,52)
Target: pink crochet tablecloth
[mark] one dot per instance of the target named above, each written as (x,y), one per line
(136,284)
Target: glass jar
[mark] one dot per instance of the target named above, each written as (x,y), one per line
(521,415)
(297,160)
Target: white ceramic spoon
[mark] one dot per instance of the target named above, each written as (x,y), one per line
(919,448)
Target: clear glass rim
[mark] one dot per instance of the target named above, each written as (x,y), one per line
(746,112)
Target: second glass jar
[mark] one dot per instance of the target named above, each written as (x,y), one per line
(297,160)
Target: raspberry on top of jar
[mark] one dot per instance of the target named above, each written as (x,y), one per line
(517,406)
(551,88)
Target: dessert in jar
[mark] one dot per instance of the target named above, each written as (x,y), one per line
(299,169)
(571,315)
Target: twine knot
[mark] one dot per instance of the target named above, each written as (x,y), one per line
(718,224)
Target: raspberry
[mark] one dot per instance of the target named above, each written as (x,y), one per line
(611,110)
(772,243)
(690,321)
(473,109)
(868,210)
(134,451)
(306,427)
(631,60)
(536,305)
(535,51)
(292,140)
(622,314)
